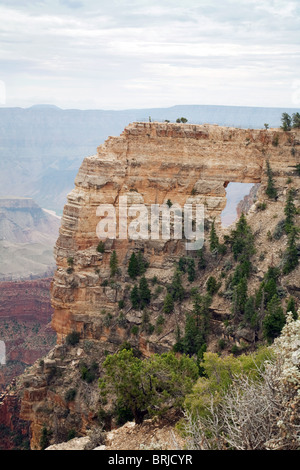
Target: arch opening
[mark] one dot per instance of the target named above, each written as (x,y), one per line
(235,194)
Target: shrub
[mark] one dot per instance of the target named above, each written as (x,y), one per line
(73,338)
(101,247)
(142,385)
(70,394)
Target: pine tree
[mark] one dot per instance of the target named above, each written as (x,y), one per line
(240,296)
(135,298)
(176,289)
(113,264)
(144,292)
(213,238)
(133,269)
(137,265)
(290,211)
(291,307)
(296,120)
(242,240)
(286,122)
(168,304)
(271,190)
(291,253)
(191,270)
(202,261)
(250,313)
(142,264)
(274,319)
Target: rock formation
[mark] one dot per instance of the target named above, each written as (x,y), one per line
(149,163)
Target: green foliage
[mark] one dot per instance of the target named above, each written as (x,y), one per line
(113,264)
(274,320)
(137,265)
(176,288)
(242,240)
(250,313)
(271,191)
(169,203)
(291,307)
(44,439)
(196,327)
(70,261)
(213,238)
(135,298)
(135,330)
(88,373)
(240,297)
(144,293)
(212,285)
(261,206)
(101,247)
(168,304)
(70,394)
(279,230)
(123,413)
(296,120)
(191,270)
(71,434)
(182,119)
(289,211)
(73,338)
(286,122)
(140,296)
(218,374)
(291,260)
(149,386)
(202,260)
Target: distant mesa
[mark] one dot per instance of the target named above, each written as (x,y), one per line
(44,106)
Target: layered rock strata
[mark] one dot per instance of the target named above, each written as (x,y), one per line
(150,163)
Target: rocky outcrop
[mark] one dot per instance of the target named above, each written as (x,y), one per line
(14,432)
(149,163)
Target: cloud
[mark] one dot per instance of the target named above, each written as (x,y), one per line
(142,51)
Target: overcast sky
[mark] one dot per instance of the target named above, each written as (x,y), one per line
(118,54)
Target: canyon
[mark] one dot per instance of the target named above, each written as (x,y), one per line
(149,163)
(27,236)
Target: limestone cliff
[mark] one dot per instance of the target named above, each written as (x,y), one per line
(150,163)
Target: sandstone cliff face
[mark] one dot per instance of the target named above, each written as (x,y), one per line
(150,163)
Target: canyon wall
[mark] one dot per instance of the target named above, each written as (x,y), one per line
(25,317)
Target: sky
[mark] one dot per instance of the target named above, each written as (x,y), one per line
(118,54)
